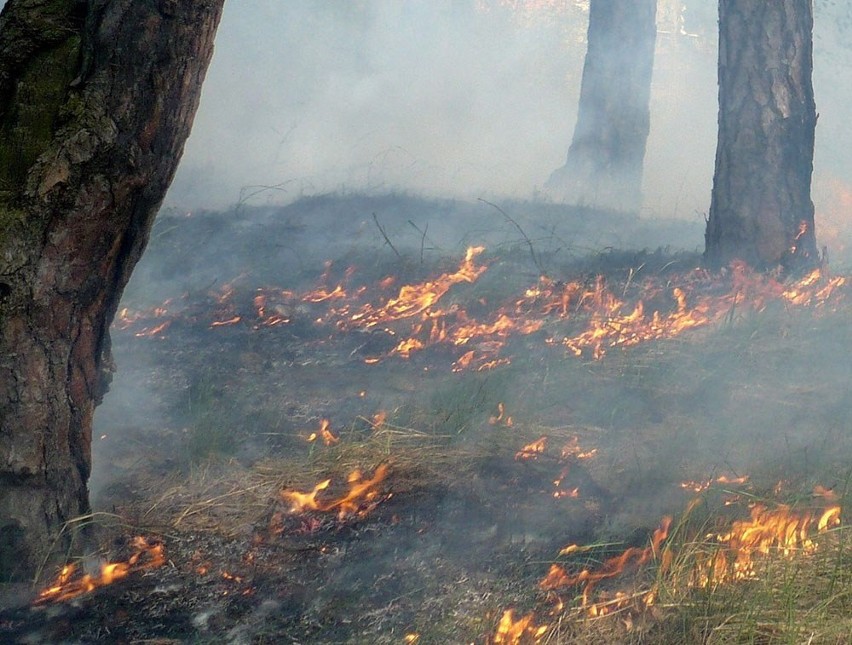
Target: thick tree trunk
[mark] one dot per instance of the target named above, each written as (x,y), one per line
(604,165)
(761,210)
(96,101)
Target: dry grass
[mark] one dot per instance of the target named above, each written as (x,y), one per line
(763,394)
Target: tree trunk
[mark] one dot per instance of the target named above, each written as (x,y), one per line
(761,210)
(96,100)
(604,165)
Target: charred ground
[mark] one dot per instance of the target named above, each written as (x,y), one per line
(205,426)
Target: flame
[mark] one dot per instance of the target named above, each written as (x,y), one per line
(148,554)
(587,579)
(224,323)
(532,450)
(464,362)
(573,493)
(573,449)
(502,418)
(362,496)
(803,228)
(586,318)
(328,438)
(379,419)
(147,332)
(732,555)
(323,432)
(512,632)
(781,531)
(321,295)
(701,486)
(417,298)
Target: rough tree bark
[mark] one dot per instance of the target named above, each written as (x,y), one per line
(96,100)
(604,164)
(761,210)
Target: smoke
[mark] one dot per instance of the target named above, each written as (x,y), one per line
(445,99)
(441,98)
(457,99)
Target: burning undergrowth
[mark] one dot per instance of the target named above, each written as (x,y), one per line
(401,445)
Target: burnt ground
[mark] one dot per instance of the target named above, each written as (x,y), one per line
(204,426)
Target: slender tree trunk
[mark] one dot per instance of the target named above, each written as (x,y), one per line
(761,210)
(96,100)
(604,165)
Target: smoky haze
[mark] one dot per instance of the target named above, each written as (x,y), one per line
(434,97)
(453,101)
(460,99)
(440,98)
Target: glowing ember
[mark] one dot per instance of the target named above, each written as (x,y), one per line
(147,554)
(512,632)
(573,493)
(361,498)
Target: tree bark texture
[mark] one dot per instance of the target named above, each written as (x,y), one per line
(604,164)
(97,98)
(761,210)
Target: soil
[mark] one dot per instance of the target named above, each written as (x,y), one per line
(205,426)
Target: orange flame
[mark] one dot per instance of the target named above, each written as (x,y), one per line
(147,332)
(701,486)
(573,449)
(512,632)
(587,579)
(501,418)
(532,450)
(379,419)
(361,498)
(417,298)
(587,319)
(224,323)
(147,554)
(325,432)
(321,295)
(781,530)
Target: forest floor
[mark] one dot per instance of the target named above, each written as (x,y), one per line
(501,429)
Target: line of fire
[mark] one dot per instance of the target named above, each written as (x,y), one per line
(421,383)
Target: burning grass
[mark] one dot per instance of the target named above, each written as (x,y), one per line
(587,318)
(432,503)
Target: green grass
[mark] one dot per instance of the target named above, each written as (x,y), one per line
(210,418)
